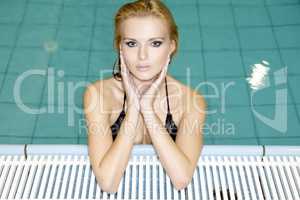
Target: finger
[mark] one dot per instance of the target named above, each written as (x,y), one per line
(165,70)
(124,72)
(162,74)
(133,84)
(166,67)
(123,67)
(128,80)
(168,60)
(121,63)
(160,78)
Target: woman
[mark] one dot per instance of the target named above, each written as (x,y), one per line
(145,106)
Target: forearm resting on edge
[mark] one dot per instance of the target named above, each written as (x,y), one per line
(112,166)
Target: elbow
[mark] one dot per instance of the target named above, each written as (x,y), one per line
(107,186)
(106,183)
(182,182)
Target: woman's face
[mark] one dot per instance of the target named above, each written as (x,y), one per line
(145,45)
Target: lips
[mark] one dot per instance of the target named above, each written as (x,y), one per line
(143,67)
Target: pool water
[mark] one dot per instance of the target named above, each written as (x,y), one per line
(51,49)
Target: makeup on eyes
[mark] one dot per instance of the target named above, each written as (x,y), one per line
(129,41)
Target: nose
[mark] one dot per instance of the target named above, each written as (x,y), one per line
(143,53)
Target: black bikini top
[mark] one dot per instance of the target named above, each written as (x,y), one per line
(169,123)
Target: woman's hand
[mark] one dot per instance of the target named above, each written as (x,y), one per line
(132,94)
(147,99)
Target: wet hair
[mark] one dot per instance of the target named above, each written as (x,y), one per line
(142,8)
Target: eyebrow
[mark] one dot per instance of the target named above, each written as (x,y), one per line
(162,38)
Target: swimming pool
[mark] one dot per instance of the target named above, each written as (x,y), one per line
(49,50)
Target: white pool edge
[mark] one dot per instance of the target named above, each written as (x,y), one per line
(81,149)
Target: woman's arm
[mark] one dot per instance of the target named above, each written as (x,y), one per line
(108,159)
(179,159)
(111,158)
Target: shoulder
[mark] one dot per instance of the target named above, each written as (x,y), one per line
(94,89)
(193,99)
(99,91)
(195,102)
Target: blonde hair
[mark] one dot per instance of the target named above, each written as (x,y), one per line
(142,8)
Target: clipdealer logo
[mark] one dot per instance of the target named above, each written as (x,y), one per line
(52,85)
(260,81)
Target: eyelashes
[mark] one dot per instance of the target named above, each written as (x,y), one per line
(158,43)
(154,44)
(130,44)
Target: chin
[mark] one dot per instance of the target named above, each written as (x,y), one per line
(146,76)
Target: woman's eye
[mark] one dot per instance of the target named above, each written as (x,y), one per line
(130,44)
(133,44)
(157,43)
